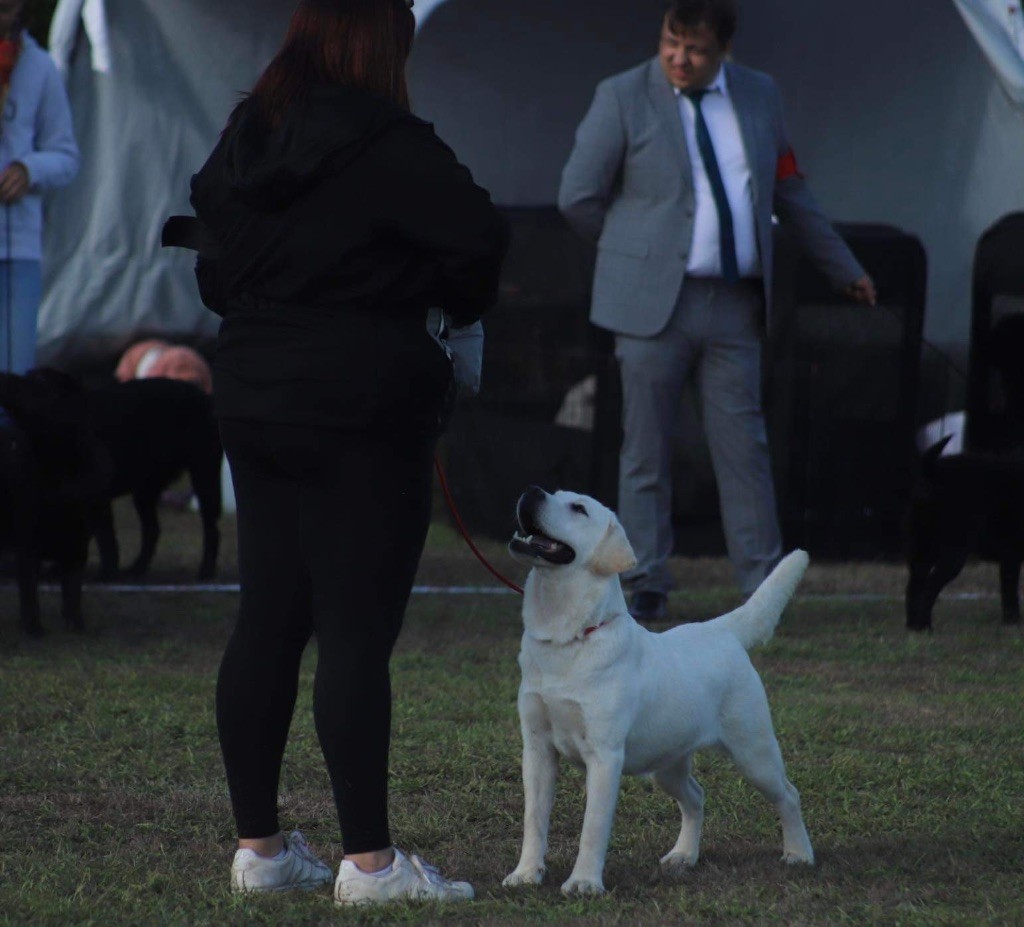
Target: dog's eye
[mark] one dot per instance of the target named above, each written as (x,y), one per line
(580,509)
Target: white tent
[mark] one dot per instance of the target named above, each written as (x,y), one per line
(151,83)
(998,25)
(894,111)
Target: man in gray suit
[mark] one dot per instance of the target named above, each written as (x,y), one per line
(676,171)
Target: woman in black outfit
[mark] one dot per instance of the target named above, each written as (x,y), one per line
(337,219)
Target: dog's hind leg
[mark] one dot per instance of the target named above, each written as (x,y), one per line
(677,780)
(211,547)
(752,745)
(1009,585)
(28,593)
(145,505)
(106,541)
(71,596)
(206,485)
(947,567)
(918,575)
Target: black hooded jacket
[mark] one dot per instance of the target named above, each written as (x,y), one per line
(335,232)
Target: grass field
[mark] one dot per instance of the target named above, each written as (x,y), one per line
(907,752)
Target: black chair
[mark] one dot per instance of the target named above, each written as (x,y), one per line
(842,398)
(997,293)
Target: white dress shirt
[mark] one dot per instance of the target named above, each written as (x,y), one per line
(724,128)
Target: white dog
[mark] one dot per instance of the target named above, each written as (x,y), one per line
(615,699)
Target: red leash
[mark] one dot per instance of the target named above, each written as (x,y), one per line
(462,528)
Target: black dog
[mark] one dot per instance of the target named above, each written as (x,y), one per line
(155,430)
(53,474)
(961,505)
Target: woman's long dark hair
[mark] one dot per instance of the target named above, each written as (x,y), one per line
(19,21)
(360,43)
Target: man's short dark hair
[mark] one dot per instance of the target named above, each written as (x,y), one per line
(719,15)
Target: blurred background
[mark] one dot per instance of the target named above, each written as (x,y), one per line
(908,120)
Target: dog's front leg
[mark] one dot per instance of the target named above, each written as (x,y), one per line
(211,546)
(604,772)
(1009,583)
(540,771)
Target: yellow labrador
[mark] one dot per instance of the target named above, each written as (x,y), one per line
(614,698)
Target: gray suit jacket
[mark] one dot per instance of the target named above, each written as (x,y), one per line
(628,185)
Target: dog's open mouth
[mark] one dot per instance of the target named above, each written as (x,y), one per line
(530,541)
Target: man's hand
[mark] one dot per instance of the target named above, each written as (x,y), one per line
(862,291)
(14,182)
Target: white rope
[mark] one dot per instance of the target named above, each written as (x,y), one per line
(134,588)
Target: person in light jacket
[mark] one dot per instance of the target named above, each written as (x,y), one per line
(37,152)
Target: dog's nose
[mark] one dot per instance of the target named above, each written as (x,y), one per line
(533,496)
(528,503)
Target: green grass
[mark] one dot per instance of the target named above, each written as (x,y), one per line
(907,752)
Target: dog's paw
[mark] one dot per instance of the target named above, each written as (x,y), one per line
(575,886)
(798,859)
(532,876)
(677,864)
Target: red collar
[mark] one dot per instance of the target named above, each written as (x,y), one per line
(588,631)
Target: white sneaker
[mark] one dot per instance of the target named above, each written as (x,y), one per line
(408,879)
(298,868)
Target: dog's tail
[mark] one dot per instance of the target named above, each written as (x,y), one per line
(754,622)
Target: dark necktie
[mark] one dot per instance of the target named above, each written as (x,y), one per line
(726,237)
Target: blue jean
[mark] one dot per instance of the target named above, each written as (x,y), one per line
(21,290)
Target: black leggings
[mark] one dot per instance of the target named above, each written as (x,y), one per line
(331,526)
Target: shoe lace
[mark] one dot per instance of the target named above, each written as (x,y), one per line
(297,844)
(431,873)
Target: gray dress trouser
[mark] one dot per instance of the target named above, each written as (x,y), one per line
(715,335)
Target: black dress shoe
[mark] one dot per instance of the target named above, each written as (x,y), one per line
(649,607)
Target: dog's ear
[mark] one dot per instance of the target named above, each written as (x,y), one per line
(614,554)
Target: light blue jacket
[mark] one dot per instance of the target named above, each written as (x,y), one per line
(35,129)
